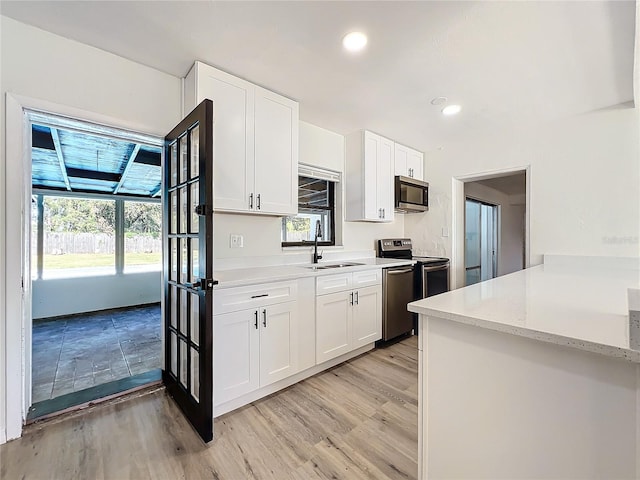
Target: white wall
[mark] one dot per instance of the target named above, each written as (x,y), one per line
(321,148)
(511,241)
(66,296)
(584,178)
(77,80)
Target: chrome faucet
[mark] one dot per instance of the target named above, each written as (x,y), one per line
(317,257)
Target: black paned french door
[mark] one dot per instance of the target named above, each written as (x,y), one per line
(188,267)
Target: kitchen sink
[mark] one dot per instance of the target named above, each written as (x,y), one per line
(333,265)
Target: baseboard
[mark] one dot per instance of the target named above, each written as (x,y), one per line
(3,436)
(287,382)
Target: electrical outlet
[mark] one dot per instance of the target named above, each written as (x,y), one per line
(445,231)
(236,241)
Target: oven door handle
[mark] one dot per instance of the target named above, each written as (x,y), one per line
(433,269)
(398,272)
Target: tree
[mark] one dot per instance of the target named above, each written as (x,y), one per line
(77,215)
(144,218)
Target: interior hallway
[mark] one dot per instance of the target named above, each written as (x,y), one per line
(355,421)
(80,351)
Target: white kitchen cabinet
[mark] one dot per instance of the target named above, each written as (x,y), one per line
(350,318)
(276,153)
(408,162)
(278,342)
(255,143)
(333,325)
(257,346)
(369,177)
(367,316)
(236,351)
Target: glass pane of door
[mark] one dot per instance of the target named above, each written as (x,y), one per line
(481,241)
(472,240)
(488,241)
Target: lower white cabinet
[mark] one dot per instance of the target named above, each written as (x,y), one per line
(264,334)
(350,318)
(367,316)
(254,348)
(333,325)
(236,355)
(278,342)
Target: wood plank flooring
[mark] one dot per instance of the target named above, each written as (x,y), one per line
(355,421)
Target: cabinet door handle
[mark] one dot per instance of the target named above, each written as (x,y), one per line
(264,317)
(251,201)
(256,316)
(379,213)
(258,202)
(384,214)
(411,172)
(351,300)
(356,298)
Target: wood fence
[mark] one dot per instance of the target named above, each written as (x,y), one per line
(66,242)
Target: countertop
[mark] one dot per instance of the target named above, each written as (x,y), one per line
(581,306)
(249,276)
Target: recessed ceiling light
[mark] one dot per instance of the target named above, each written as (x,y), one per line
(354,41)
(451,109)
(438,100)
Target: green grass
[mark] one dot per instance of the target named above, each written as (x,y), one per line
(83,260)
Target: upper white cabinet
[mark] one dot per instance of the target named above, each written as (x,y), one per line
(255,142)
(369,176)
(408,162)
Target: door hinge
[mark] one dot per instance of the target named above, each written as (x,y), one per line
(202,209)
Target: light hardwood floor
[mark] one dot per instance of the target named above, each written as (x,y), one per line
(355,421)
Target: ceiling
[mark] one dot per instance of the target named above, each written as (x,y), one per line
(507,184)
(504,62)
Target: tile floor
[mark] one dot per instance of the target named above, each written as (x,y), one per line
(81,351)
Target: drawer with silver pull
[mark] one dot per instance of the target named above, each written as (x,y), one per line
(240,298)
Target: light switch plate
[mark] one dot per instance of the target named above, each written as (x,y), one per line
(445,231)
(236,241)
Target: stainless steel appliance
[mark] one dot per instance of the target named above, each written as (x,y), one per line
(431,274)
(411,195)
(397,291)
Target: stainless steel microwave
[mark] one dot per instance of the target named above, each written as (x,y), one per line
(411,195)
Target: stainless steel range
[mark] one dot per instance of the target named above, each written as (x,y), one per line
(430,277)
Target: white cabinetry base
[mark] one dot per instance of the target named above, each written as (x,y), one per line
(274,387)
(495,405)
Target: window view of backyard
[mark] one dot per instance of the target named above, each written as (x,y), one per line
(78,233)
(142,228)
(80,236)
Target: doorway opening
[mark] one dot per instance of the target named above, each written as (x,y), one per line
(491,218)
(480,241)
(95,263)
